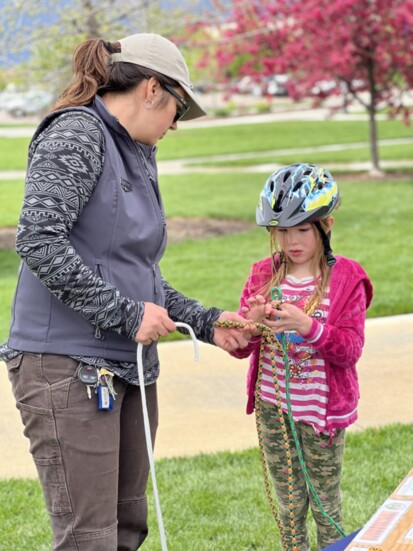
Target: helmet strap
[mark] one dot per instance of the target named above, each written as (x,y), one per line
(330,259)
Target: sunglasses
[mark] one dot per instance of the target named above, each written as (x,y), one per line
(185,105)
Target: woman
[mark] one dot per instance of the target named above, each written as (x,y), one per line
(90,235)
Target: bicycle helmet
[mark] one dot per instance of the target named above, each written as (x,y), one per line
(296,194)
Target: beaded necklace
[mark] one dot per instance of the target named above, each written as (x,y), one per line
(276,294)
(268,338)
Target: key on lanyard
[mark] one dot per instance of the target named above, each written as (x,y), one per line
(88,374)
(105,390)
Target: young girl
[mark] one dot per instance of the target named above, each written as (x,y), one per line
(316,305)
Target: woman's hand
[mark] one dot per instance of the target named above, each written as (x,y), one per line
(232,339)
(155,323)
(289,318)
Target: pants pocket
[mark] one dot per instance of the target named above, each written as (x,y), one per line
(13,370)
(39,427)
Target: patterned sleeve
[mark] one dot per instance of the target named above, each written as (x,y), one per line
(186,310)
(66,161)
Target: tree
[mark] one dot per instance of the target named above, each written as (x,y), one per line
(363,46)
(38,38)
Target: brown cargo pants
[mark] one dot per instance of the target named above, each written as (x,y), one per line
(92,464)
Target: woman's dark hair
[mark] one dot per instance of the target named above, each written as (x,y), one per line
(94,75)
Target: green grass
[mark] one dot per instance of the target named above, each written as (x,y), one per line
(11,195)
(387,153)
(371,227)
(268,136)
(9,263)
(14,153)
(238,138)
(212,195)
(217,502)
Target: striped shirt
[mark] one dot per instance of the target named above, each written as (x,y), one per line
(308,383)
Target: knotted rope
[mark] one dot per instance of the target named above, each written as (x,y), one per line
(147,427)
(269,339)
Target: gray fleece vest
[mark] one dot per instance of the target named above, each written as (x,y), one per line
(121,235)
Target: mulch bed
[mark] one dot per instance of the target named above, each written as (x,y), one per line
(179,229)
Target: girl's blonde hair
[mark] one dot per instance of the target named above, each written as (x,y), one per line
(281,265)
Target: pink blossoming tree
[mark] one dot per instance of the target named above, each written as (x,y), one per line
(364,47)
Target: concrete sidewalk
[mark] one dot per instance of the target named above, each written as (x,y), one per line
(202,404)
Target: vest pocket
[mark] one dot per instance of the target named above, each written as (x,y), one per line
(99,271)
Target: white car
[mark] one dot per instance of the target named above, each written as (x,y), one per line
(21,104)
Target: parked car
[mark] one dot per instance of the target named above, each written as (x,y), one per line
(23,103)
(277,85)
(274,85)
(245,85)
(323,87)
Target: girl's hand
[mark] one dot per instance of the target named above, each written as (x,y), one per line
(290,318)
(256,311)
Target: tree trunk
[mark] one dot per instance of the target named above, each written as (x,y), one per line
(92,25)
(375,164)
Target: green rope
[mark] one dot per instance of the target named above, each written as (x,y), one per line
(268,337)
(277,295)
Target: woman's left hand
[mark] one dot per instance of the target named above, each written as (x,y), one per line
(232,339)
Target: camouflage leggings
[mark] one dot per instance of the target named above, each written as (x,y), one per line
(323,463)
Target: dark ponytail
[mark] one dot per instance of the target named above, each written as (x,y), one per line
(90,72)
(94,74)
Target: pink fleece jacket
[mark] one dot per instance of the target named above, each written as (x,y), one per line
(340,342)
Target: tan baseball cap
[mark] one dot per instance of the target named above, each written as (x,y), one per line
(156,52)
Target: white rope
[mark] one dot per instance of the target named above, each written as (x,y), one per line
(148,430)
